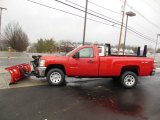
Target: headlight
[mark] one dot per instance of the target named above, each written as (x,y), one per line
(42,63)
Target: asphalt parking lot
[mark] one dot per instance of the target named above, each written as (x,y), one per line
(83,99)
(80,99)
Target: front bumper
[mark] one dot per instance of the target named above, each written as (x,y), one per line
(40,71)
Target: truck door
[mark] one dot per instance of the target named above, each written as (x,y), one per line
(87,63)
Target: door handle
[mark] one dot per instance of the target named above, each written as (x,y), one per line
(91,61)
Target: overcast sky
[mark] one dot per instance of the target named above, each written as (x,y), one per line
(41,22)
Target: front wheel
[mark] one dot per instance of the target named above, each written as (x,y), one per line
(56,77)
(129,79)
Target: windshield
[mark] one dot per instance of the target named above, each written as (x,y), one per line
(72,50)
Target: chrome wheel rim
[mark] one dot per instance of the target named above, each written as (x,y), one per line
(129,80)
(55,77)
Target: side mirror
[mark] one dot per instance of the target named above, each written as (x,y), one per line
(76,55)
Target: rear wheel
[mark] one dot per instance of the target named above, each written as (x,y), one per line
(129,79)
(56,77)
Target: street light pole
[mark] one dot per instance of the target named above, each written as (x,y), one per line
(131,14)
(1,8)
(156,46)
(85,21)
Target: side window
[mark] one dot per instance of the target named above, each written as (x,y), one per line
(99,49)
(86,53)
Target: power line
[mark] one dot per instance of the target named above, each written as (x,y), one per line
(140,35)
(83,17)
(141,26)
(143,16)
(68,12)
(91,10)
(150,5)
(87,12)
(104,7)
(131,29)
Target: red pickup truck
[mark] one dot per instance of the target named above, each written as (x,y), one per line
(94,61)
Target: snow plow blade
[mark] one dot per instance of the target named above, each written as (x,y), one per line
(18,72)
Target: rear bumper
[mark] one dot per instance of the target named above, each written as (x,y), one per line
(40,71)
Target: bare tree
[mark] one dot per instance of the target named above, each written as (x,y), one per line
(65,46)
(15,37)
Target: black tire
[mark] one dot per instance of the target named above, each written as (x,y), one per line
(56,77)
(129,79)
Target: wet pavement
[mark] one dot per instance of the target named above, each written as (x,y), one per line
(83,99)
(80,99)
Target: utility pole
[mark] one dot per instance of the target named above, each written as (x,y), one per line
(120,36)
(156,46)
(1,8)
(85,21)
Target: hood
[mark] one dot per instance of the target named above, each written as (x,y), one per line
(54,60)
(51,57)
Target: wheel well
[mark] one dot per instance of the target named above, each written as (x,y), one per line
(55,66)
(134,69)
